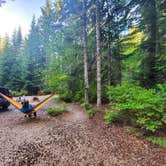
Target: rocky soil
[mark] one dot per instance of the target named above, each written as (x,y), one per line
(71,139)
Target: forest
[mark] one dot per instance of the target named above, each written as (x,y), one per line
(94,52)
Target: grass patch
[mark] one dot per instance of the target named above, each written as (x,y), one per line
(56,111)
(158,141)
(90,113)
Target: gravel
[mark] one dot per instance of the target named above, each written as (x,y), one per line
(71,139)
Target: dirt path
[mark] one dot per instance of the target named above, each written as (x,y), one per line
(71,139)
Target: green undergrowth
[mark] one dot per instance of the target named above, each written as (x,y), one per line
(56,111)
(153,139)
(86,105)
(19,93)
(110,116)
(139,106)
(88,109)
(158,141)
(90,113)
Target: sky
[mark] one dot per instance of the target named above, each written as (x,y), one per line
(18,13)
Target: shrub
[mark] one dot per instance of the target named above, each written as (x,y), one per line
(45,91)
(56,111)
(86,105)
(19,93)
(79,95)
(161,91)
(88,109)
(158,141)
(110,116)
(90,112)
(145,107)
(66,96)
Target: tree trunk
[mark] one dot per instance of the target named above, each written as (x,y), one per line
(151,47)
(86,78)
(98,53)
(109,61)
(109,47)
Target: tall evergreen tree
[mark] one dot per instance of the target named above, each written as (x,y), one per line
(98,53)
(11,74)
(149,23)
(34,54)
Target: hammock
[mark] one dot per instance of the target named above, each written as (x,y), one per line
(30,109)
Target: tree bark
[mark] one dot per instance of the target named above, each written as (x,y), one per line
(109,61)
(86,78)
(109,46)
(98,53)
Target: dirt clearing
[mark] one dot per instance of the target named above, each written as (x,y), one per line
(71,139)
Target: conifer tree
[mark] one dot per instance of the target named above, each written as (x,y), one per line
(33,53)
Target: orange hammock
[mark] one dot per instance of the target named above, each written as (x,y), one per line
(30,109)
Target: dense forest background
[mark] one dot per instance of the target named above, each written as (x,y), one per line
(125,38)
(94,51)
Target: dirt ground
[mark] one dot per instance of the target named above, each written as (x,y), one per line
(71,139)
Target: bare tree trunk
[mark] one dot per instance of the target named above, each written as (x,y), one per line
(109,47)
(86,78)
(98,53)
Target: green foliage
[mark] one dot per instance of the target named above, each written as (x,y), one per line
(86,105)
(66,96)
(132,52)
(45,91)
(78,96)
(19,93)
(93,93)
(58,82)
(56,111)
(110,116)
(90,113)
(161,90)
(143,106)
(50,58)
(11,75)
(158,141)
(88,109)
(34,59)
